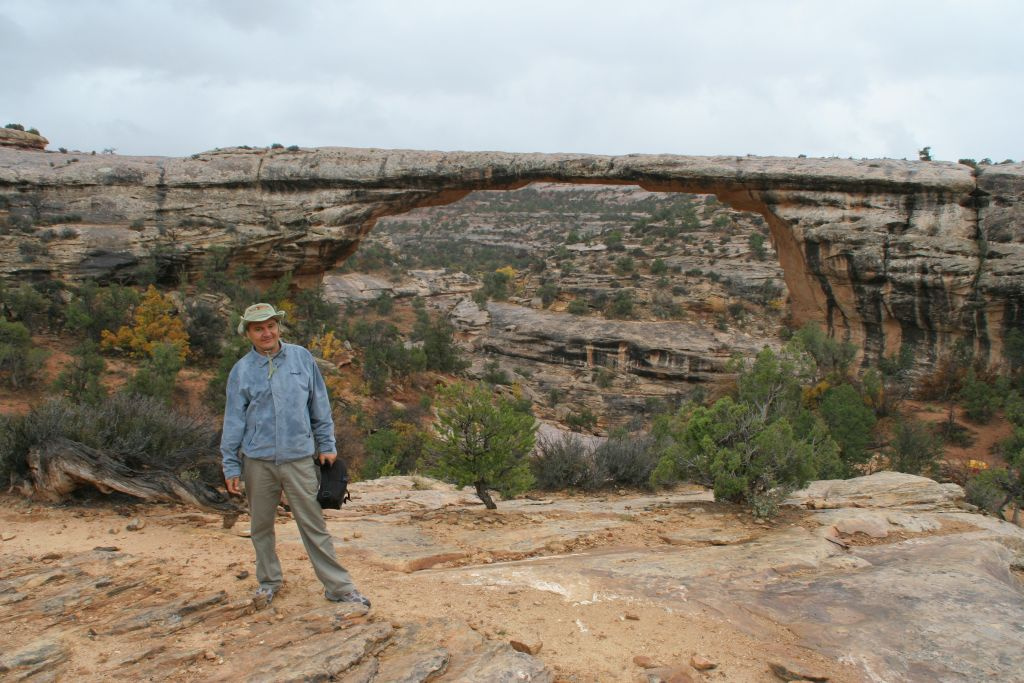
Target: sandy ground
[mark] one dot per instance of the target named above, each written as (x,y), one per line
(580,640)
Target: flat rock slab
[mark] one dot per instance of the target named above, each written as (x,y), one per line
(935,609)
(943,607)
(879,490)
(669,575)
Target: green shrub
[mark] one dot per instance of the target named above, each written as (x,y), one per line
(314,315)
(547,292)
(832,357)
(215,395)
(20,361)
(756,243)
(850,422)
(743,457)
(384,304)
(603,377)
(495,285)
(439,349)
(626,460)
(914,448)
(1013,349)
(94,309)
(991,490)
(397,449)
(621,305)
(579,421)
(494,374)
(155,377)
(563,462)
(80,379)
(27,305)
(755,448)
(577,307)
(385,355)
(205,329)
(979,398)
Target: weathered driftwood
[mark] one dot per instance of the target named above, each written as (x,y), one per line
(61,466)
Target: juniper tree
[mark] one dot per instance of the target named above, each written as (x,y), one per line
(483,440)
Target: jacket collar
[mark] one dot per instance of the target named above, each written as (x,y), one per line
(262,359)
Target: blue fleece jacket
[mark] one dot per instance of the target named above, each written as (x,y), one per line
(277,412)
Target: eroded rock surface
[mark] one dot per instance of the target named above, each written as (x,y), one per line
(882,251)
(587,582)
(105,614)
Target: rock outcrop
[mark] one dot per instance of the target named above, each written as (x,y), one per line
(883,252)
(10,137)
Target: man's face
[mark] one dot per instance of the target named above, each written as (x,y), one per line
(265,336)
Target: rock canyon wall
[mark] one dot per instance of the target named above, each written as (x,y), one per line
(883,252)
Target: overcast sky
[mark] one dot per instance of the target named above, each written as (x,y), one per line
(860,78)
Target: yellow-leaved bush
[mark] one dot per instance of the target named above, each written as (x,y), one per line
(329,347)
(155,322)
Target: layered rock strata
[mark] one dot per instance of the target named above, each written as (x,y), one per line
(883,252)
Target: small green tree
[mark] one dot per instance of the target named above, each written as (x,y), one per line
(914,448)
(833,358)
(314,315)
(496,285)
(621,306)
(482,440)
(754,448)
(1013,349)
(547,293)
(156,376)
(27,305)
(978,398)
(95,308)
(756,243)
(205,329)
(20,360)
(730,447)
(215,395)
(850,422)
(80,379)
(439,347)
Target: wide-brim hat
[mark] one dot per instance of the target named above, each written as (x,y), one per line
(257,313)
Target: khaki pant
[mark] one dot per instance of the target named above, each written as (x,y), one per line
(263,484)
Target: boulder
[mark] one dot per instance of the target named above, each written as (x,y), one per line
(879,490)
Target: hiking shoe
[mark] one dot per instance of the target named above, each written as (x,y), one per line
(264,595)
(352,596)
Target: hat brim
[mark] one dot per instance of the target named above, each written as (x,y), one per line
(244,322)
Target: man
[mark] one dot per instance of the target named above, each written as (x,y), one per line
(276,421)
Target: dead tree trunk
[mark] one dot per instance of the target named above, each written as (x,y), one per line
(58,468)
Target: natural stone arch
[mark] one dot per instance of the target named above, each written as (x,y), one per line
(881,251)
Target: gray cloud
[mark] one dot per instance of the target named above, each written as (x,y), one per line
(845,78)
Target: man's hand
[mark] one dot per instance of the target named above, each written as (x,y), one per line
(234,486)
(328,458)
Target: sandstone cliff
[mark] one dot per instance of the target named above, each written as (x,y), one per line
(884,252)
